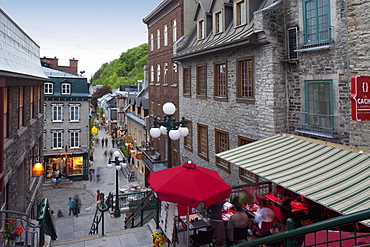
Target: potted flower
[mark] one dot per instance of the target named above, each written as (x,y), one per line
(159,240)
(11,232)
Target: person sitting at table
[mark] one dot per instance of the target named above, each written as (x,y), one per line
(215,219)
(239,220)
(276,228)
(263,214)
(246,197)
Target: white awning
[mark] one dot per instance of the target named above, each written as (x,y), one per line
(334,177)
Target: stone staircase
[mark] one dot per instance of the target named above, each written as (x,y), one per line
(48,184)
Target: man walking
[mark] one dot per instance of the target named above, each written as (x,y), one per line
(71,205)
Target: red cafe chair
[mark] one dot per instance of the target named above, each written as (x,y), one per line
(265,225)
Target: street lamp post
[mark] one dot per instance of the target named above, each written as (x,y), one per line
(174,130)
(119,164)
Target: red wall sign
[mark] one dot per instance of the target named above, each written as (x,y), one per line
(360,97)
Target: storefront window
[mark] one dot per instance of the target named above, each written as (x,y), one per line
(67,166)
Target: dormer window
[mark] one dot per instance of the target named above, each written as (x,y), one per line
(240,13)
(66,88)
(201,29)
(48,88)
(217,17)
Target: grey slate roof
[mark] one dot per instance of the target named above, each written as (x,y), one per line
(230,38)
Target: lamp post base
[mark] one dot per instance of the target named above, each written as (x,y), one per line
(116,213)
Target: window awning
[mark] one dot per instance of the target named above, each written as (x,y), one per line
(334,177)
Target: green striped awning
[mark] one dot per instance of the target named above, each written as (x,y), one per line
(331,176)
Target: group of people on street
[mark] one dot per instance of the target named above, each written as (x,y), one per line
(74,205)
(56,178)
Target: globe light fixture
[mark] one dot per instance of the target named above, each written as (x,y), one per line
(174,130)
(119,164)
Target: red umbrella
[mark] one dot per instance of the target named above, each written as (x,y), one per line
(189,185)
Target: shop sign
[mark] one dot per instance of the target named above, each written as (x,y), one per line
(128,139)
(360,98)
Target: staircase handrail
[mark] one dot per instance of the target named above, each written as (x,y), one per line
(138,209)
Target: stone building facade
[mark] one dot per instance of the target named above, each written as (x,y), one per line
(359,63)
(21,120)
(66,124)
(166,25)
(251,69)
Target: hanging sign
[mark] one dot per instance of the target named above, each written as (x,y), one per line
(94,130)
(360,98)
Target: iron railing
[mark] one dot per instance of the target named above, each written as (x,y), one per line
(314,40)
(316,124)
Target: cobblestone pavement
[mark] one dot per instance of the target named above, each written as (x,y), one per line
(86,190)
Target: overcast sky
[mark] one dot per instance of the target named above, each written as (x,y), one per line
(91,31)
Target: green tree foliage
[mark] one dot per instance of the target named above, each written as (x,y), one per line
(98,94)
(126,70)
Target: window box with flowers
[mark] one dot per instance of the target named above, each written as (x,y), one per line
(11,232)
(159,240)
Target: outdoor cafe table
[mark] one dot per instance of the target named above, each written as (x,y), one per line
(195,224)
(295,206)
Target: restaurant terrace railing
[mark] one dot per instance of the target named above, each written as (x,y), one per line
(342,231)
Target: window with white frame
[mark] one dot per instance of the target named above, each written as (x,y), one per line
(74,138)
(57,112)
(158,73)
(152,74)
(158,39)
(48,88)
(201,29)
(165,35)
(240,13)
(66,88)
(174,73)
(165,73)
(217,22)
(56,139)
(174,31)
(74,112)
(151,42)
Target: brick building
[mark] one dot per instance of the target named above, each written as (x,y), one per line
(166,25)
(21,120)
(54,63)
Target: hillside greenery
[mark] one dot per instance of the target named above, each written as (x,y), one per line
(126,70)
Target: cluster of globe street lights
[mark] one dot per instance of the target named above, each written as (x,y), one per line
(169,127)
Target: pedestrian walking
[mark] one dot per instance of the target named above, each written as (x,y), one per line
(106,141)
(54,179)
(110,154)
(58,176)
(105,154)
(98,195)
(97,141)
(98,173)
(113,142)
(77,205)
(71,205)
(102,142)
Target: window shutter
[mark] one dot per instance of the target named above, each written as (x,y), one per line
(292,43)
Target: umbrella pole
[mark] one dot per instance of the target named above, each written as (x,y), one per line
(187,230)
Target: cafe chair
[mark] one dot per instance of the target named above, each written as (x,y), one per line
(263,202)
(278,213)
(240,233)
(265,225)
(202,237)
(182,211)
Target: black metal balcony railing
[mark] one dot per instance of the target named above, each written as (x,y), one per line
(312,39)
(316,124)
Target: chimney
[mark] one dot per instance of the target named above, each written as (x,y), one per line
(73,64)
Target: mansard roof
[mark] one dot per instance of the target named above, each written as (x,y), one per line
(231,38)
